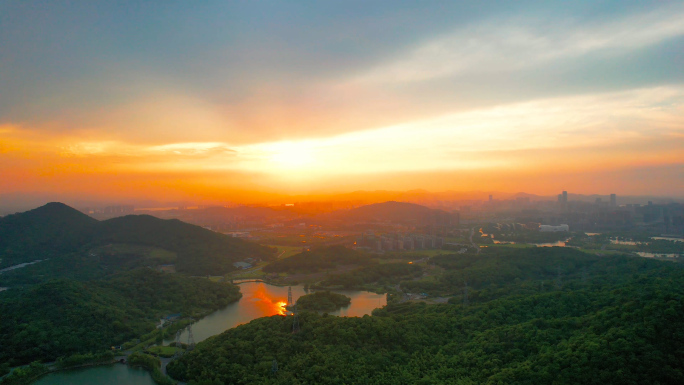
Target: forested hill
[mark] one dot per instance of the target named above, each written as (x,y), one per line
(45,232)
(56,231)
(63,317)
(199,251)
(550,317)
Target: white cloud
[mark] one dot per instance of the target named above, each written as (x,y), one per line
(511,44)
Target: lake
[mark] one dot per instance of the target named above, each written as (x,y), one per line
(115,374)
(258,300)
(262,300)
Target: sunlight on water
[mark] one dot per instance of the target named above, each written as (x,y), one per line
(263,300)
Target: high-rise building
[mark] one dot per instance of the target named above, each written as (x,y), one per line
(613,200)
(565,197)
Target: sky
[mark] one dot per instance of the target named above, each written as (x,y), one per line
(218,100)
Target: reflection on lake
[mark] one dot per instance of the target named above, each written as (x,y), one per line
(262,300)
(115,374)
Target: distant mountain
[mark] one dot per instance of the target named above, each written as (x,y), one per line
(397,212)
(43,233)
(57,230)
(199,251)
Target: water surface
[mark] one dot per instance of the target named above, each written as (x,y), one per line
(263,300)
(115,374)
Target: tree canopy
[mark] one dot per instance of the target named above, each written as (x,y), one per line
(63,317)
(616,320)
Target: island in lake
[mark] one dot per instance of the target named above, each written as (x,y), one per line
(322,301)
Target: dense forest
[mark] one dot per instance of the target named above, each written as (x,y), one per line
(72,245)
(46,232)
(322,301)
(318,259)
(382,274)
(63,317)
(527,316)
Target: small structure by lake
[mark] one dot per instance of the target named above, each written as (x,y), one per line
(242,265)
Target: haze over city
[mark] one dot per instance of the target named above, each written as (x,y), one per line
(248,102)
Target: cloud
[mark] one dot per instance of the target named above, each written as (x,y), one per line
(515,43)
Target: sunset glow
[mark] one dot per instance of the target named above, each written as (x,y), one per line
(521,100)
(267,303)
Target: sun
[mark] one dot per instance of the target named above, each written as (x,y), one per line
(291,155)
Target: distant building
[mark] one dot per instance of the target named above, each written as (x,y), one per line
(613,200)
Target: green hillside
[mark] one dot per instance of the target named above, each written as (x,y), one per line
(73,245)
(45,232)
(199,251)
(63,317)
(318,259)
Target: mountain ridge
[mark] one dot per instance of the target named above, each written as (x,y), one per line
(55,230)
